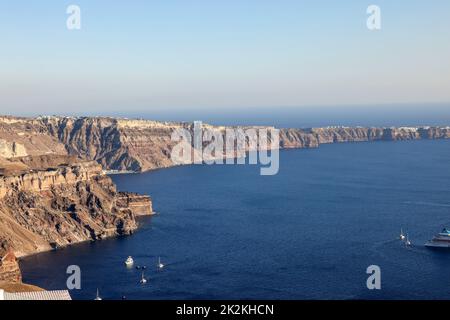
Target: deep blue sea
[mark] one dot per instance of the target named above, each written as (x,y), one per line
(310,232)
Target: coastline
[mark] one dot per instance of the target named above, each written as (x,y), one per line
(118,172)
(184,215)
(25,287)
(144,146)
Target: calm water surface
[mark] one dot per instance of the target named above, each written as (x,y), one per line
(310,232)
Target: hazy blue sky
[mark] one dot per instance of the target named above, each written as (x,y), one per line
(145,56)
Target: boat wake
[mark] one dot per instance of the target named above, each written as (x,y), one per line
(382,248)
(429,204)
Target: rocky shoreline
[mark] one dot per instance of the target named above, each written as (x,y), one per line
(54,187)
(50,202)
(69,201)
(123,145)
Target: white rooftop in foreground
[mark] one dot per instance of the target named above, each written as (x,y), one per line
(38,295)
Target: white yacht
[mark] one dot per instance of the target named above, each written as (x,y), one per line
(129,261)
(402,235)
(407,241)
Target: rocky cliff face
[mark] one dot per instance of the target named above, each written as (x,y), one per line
(9,267)
(337,135)
(70,202)
(27,137)
(53,191)
(141,145)
(138,204)
(298,138)
(38,181)
(130,145)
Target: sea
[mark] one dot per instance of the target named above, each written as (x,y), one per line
(309,232)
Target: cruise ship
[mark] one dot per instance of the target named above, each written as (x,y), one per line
(441,240)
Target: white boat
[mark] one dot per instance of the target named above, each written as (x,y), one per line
(441,240)
(143,280)
(98,296)
(160,264)
(407,242)
(129,261)
(402,235)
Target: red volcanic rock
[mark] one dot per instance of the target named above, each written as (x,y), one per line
(9,267)
(73,202)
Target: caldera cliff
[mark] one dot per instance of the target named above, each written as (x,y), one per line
(53,190)
(53,201)
(142,145)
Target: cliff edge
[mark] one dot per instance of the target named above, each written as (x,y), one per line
(52,202)
(53,187)
(142,145)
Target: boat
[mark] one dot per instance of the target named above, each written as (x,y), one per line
(129,261)
(98,296)
(402,235)
(160,264)
(441,240)
(407,241)
(143,280)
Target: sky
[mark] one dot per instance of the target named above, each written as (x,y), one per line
(179,56)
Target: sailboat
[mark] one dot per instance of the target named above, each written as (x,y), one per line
(402,235)
(160,265)
(143,280)
(98,296)
(407,242)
